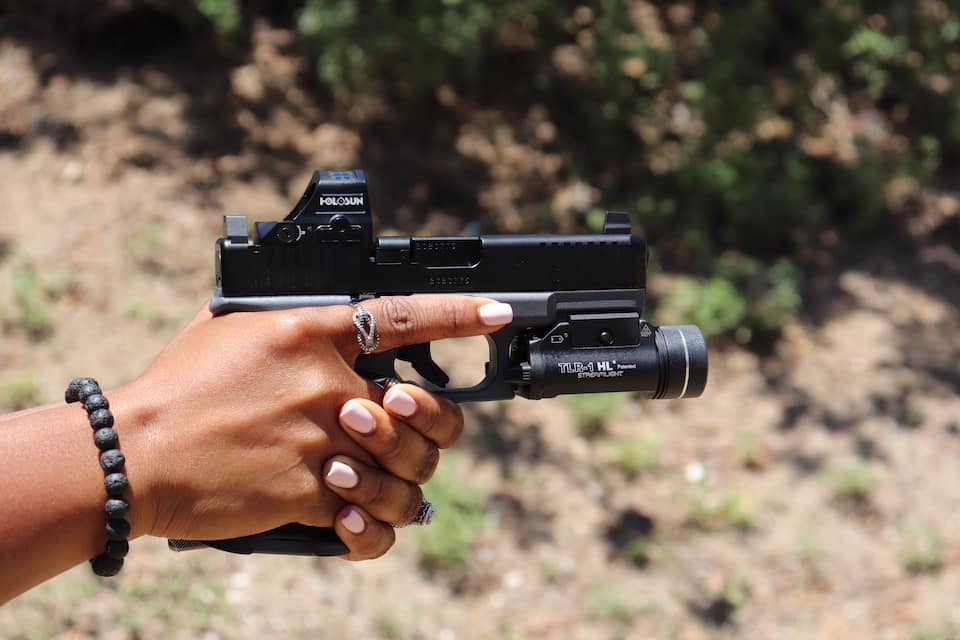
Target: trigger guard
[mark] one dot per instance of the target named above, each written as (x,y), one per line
(379,369)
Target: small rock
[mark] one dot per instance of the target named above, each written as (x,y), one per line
(595,490)
(240,580)
(513,580)
(72,171)
(695,472)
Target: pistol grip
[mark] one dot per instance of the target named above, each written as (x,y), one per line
(291,539)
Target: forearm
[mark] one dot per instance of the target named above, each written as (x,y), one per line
(51,506)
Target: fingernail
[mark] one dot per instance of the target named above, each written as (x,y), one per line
(495,313)
(400,403)
(340,475)
(353,521)
(354,415)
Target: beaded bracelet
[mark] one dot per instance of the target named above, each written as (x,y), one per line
(87,391)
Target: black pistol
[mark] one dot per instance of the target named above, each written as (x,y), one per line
(577,308)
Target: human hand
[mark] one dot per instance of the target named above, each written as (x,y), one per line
(227,431)
(404,437)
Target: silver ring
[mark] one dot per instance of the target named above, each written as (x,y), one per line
(386,383)
(367,336)
(423,517)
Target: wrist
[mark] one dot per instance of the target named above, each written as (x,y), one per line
(134,417)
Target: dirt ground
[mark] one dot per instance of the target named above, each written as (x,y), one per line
(810,493)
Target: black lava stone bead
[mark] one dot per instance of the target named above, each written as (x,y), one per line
(87,390)
(104,565)
(118,529)
(112,461)
(116,508)
(105,439)
(101,419)
(115,484)
(117,549)
(96,401)
(72,394)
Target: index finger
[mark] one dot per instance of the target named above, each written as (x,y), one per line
(402,320)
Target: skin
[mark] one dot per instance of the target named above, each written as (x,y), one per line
(227,436)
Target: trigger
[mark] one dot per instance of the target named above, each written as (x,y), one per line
(418,355)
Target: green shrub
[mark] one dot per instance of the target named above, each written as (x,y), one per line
(736,510)
(736,590)
(921,548)
(764,127)
(32,298)
(854,482)
(145,242)
(743,296)
(360,49)
(811,547)
(389,627)
(714,305)
(634,455)
(609,602)
(751,451)
(21,391)
(767,131)
(639,551)
(913,417)
(224,15)
(446,546)
(946,631)
(140,311)
(592,410)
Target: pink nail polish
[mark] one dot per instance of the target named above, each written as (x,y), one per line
(495,313)
(353,521)
(400,403)
(355,415)
(340,475)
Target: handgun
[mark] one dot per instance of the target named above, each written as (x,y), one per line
(577,308)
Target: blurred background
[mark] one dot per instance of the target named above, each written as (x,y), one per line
(793,164)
